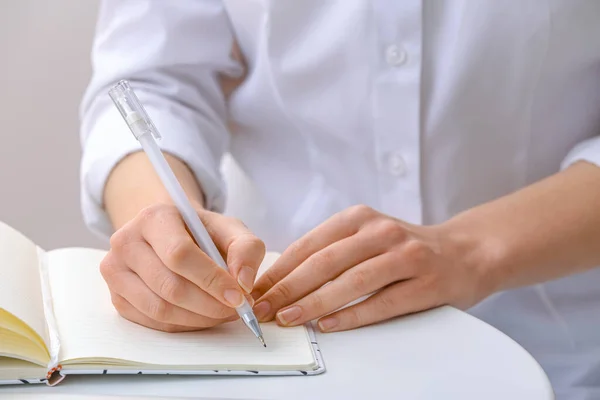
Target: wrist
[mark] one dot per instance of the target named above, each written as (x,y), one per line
(134,185)
(475,248)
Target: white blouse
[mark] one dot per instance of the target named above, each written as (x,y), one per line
(420,109)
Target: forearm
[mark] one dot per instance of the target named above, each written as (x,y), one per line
(542,232)
(134,185)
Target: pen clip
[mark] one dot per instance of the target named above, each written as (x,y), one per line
(132,110)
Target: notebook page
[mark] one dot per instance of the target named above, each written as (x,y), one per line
(20,286)
(89,327)
(11,368)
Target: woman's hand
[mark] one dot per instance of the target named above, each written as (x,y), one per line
(158,277)
(358,252)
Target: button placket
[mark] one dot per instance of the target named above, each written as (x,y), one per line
(396,108)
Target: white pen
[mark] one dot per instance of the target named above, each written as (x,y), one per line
(145,132)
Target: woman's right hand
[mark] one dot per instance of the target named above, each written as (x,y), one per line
(158,277)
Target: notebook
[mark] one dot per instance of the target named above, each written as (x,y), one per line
(57,319)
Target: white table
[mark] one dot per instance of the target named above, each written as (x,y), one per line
(440,354)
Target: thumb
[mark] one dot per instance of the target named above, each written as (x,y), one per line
(242,250)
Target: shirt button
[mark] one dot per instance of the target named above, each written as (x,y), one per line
(396,164)
(395,56)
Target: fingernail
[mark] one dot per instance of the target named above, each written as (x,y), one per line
(235,298)
(262,310)
(246,279)
(289,315)
(327,324)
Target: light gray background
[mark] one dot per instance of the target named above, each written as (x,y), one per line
(44,69)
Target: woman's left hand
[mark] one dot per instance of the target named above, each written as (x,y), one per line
(359,251)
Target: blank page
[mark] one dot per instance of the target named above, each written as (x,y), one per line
(90,328)
(20,285)
(13,345)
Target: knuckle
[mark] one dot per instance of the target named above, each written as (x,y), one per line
(416,252)
(177,251)
(172,289)
(107,267)
(257,244)
(387,303)
(390,230)
(360,212)
(295,250)
(153,211)
(267,281)
(282,291)
(354,318)
(316,302)
(120,238)
(158,310)
(359,279)
(249,242)
(210,281)
(323,259)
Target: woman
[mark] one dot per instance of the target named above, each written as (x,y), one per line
(427,153)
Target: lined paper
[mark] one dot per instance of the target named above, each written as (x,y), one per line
(90,328)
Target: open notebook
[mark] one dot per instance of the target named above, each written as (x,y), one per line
(56,319)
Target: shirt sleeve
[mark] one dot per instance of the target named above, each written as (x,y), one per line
(172,53)
(588,150)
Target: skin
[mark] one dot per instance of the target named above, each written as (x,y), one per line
(545,231)
(159,278)
(157,275)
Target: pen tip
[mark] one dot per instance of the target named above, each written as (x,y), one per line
(262,341)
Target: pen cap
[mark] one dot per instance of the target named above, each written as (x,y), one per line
(132,110)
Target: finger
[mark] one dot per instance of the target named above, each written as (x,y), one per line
(336,228)
(142,260)
(243,250)
(129,312)
(164,229)
(315,271)
(366,278)
(130,286)
(401,298)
